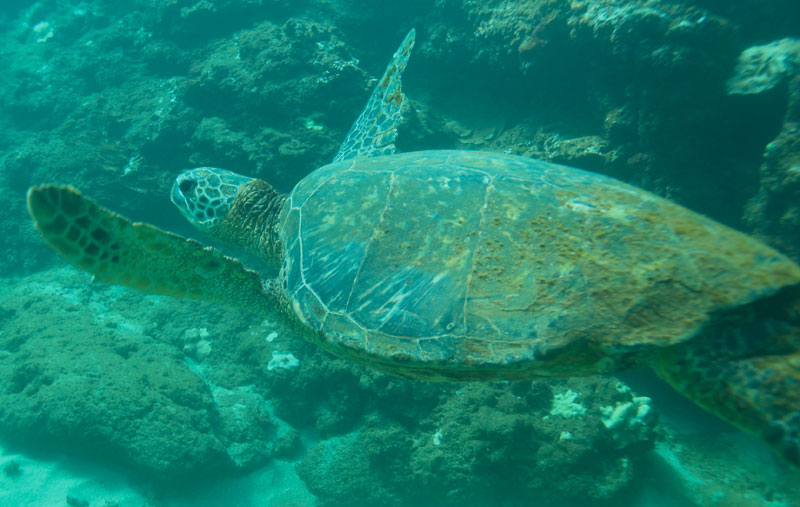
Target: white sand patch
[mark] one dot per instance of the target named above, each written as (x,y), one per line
(49,482)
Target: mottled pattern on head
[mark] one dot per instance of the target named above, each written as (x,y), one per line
(204,195)
(232,209)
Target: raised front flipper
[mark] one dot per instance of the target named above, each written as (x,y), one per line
(116,250)
(745,368)
(374,131)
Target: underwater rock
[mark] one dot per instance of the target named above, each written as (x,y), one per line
(281,75)
(248,428)
(76,502)
(761,68)
(588,152)
(542,439)
(774,212)
(555,42)
(82,373)
(75,386)
(665,36)
(360,469)
(644,80)
(195,21)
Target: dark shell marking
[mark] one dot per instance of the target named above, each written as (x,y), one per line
(453,264)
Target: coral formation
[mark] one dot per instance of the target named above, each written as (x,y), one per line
(564,405)
(630,420)
(110,389)
(505,434)
(282,360)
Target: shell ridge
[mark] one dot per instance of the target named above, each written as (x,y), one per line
(302,267)
(481,222)
(392,179)
(454,153)
(321,183)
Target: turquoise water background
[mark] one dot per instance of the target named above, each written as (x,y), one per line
(112,397)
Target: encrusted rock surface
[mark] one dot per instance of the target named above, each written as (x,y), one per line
(509,435)
(82,371)
(774,212)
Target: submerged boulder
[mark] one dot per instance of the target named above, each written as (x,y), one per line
(764,67)
(83,370)
(492,444)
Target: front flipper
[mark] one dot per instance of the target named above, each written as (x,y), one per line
(374,131)
(746,369)
(116,250)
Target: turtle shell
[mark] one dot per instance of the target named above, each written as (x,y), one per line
(473,265)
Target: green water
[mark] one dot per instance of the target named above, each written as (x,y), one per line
(110,396)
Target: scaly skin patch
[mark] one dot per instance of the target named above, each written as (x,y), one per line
(252,222)
(745,368)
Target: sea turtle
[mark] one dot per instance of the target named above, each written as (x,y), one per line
(463,265)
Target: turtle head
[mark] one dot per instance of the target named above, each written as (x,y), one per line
(205,195)
(232,209)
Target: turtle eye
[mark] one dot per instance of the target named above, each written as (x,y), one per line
(186,186)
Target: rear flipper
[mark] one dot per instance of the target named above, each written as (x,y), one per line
(745,368)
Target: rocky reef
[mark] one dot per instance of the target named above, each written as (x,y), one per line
(83,373)
(774,213)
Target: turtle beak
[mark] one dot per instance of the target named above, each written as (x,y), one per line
(204,195)
(182,192)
